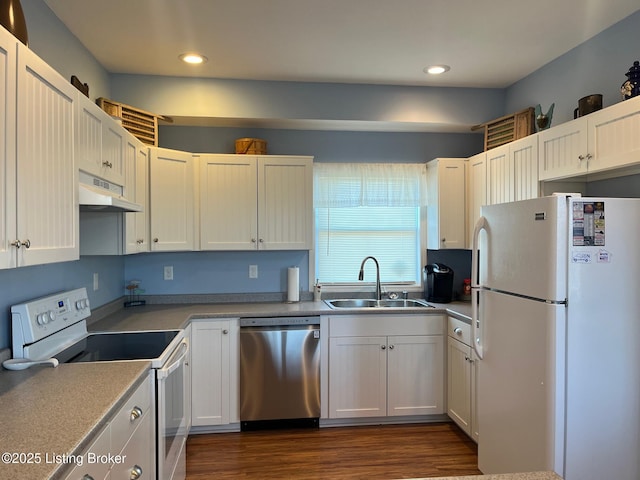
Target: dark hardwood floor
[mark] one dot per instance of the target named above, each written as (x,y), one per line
(367,452)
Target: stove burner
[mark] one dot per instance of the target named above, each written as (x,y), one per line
(103,347)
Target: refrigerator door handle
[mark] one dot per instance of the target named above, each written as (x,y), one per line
(476,327)
(476,332)
(481,224)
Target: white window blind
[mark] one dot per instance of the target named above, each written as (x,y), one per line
(368,209)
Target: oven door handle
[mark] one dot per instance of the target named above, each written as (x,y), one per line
(181,354)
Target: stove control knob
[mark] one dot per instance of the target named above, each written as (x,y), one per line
(79,305)
(52,316)
(40,319)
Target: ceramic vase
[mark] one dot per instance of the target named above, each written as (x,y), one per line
(12,18)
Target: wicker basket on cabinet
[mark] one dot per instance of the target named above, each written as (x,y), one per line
(143,125)
(507,129)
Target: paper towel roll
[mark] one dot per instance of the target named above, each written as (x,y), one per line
(293,284)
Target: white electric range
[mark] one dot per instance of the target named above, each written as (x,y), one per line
(54,329)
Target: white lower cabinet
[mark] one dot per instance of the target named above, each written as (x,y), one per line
(385,365)
(125,448)
(461,377)
(214,372)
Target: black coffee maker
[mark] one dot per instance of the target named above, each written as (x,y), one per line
(438,283)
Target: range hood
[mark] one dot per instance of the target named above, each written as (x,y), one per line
(98,195)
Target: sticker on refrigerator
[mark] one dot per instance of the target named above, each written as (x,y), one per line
(604,256)
(588,224)
(581,257)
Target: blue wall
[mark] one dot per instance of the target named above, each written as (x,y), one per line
(328,146)
(21,284)
(597,66)
(216,272)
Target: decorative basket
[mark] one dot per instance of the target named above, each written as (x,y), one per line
(251,146)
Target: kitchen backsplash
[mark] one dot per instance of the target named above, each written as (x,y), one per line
(216,272)
(458,260)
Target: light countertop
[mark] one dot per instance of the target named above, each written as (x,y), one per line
(49,411)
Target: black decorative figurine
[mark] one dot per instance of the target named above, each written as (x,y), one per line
(631,87)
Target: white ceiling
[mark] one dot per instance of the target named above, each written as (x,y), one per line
(487,43)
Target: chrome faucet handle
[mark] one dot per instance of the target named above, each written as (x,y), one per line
(393,295)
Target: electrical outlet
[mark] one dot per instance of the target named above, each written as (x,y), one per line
(95,281)
(168,272)
(253,271)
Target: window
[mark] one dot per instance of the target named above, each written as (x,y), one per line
(368,209)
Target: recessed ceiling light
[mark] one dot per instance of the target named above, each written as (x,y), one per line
(193,58)
(436,69)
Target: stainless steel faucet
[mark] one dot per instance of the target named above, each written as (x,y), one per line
(361,276)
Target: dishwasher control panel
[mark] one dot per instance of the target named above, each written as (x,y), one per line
(279,321)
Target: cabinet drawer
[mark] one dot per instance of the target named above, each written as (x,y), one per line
(130,416)
(137,455)
(384,325)
(459,330)
(91,468)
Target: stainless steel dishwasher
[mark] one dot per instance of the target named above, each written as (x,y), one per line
(279,372)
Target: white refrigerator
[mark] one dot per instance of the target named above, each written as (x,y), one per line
(556,327)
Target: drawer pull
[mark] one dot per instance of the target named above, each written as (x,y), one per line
(457,331)
(87,477)
(136,472)
(136,413)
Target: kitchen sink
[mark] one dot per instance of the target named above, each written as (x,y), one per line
(358,303)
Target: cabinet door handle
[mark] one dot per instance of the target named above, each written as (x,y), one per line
(253,240)
(87,477)
(136,413)
(457,331)
(136,472)
(383,347)
(107,164)
(225,331)
(16,243)
(140,241)
(390,347)
(155,240)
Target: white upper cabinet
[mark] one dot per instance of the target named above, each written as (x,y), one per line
(601,141)
(100,143)
(446,203)
(500,175)
(137,237)
(8,46)
(614,136)
(45,198)
(172,200)
(476,191)
(285,203)
(524,157)
(512,171)
(563,150)
(256,203)
(228,202)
